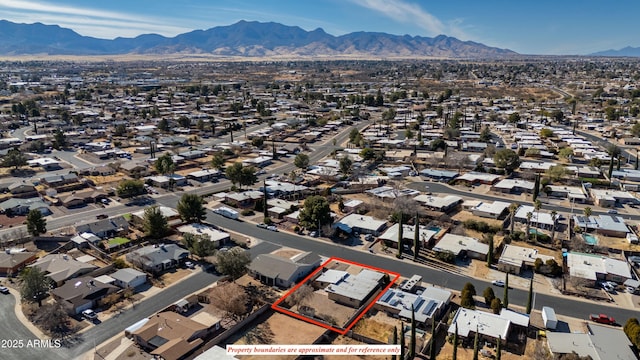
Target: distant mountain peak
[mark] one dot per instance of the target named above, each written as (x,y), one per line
(244,38)
(627,51)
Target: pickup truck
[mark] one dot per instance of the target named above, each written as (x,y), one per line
(602,319)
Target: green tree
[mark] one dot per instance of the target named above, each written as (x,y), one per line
(163,125)
(416,238)
(233,263)
(191,209)
(14,158)
(466,296)
(554,218)
(154,223)
(513,207)
(36,223)
(488,295)
(59,139)
(402,350)
(556,172)
(557,115)
(412,340)
(489,238)
(345,164)
(120,130)
(164,164)
(546,133)
(432,348)
(498,348)
(476,342)
(565,153)
(394,341)
(530,297)
(367,154)
(635,129)
(129,188)
(199,245)
(454,355)
(301,161)
(496,305)
(514,117)
(506,159)
(234,173)
(35,285)
(587,211)
(505,295)
(536,187)
(217,162)
(315,212)
(248,176)
(536,206)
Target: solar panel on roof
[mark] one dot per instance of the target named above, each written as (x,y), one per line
(387,296)
(429,307)
(417,303)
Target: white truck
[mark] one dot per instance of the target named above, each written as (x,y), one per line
(227,212)
(549,318)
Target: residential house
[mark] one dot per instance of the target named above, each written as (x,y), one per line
(539,219)
(61,267)
(439,175)
(611,198)
(361,223)
(170,336)
(430,304)
(105,228)
(22,190)
(243,199)
(14,260)
(594,268)
(474,178)
(17,206)
(461,246)
(216,236)
(508,326)
(603,224)
(81,294)
(165,181)
(352,205)
(283,272)
(514,259)
(513,186)
(134,169)
(598,343)
(439,203)
(56,181)
(204,175)
(348,289)
(573,193)
(492,210)
(158,258)
(129,278)
(390,236)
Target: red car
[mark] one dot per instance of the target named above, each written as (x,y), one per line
(602,319)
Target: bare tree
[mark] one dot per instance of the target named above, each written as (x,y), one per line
(231,299)
(301,295)
(405,205)
(260,334)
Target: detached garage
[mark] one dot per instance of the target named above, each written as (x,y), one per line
(129,278)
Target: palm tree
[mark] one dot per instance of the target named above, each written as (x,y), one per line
(587,211)
(536,206)
(529,215)
(512,213)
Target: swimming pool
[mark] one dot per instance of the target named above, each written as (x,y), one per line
(590,239)
(435,229)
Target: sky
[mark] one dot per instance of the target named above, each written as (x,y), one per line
(541,27)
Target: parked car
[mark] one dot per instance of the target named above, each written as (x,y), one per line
(89,314)
(4,290)
(612,211)
(189,265)
(631,289)
(262,225)
(272,228)
(499,283)
(634,259)
(609,286)
(102,216)
(602,319)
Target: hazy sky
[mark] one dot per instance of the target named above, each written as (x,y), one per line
(529,27)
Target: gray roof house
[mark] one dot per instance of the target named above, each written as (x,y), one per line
(104,228)
(283,272)
(81,294)
(129,278)
(157,258)
(601,343)
(18,206)
(61,267)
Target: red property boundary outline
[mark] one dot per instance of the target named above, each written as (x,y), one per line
(315,322)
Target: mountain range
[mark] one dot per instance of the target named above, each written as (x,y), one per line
(242,39)
(627,51)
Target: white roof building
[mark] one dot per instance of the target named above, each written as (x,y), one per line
(440,203)
(490,210)
(362,223)
(537,217)
(596,267)
(217,236)
(458,243)
(408,233)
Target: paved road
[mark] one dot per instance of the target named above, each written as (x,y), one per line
(14,331)
(562,304)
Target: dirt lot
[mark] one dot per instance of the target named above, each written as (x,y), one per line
(277,329)
(323,306)
(467,354)
(378,326)
(466,215)
(343,340)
